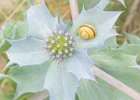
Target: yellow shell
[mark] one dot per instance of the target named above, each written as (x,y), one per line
(87,31)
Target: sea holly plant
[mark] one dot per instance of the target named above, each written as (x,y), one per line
(54,57)
(11,30)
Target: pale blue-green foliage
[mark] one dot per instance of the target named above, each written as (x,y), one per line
(3,44)
(118,62)
(100,90)
(40,22)
(27,52)
(103,21)
(30,52)
(30,79)
(106,2)
(52,77)
(15,29)
(133,39)
(12,30)
(37,71)
(111,42)
(2,76)
(132,47)
(74,65)
(65,83)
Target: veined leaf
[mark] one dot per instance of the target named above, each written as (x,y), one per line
(12,30)
(118,64)
(15,30)
(100,90)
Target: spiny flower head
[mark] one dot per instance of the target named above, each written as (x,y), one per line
(60,45)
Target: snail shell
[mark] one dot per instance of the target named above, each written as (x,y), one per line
(87,31)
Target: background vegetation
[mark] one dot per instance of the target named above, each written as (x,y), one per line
(129,21)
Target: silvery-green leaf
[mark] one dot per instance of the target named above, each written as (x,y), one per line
(2,41)
(90,90)
(15,30)
(122,1)
(113,57)
(127,75)
(80,65)
(120,65)
(61,84)
(100,90)
(60,24)
(56,78)
(2,76)
(111,92)
(30,79)
(12,30)
(106,2)
(27,51)
(89,4)
(131,49)
(53,77)
(111,42)
(102,21)
(133,39)
(4,45)
(40,21)
(98,41)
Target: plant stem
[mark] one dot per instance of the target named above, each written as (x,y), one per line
(40,96)
(116,83)
(74,9)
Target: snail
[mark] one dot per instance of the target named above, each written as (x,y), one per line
(87,32)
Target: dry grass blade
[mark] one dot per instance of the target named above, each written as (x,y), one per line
(16,10)
(131,15)
(3,14)
(3,61)
(74,9)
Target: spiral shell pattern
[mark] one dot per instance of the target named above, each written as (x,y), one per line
(87,32)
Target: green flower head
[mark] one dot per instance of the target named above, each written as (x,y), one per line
(54,57)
